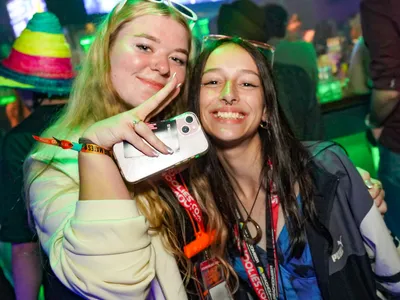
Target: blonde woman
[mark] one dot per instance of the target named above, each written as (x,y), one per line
(106,239)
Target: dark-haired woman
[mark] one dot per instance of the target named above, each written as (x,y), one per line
(301,221)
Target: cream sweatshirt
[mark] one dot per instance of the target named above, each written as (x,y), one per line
(98,249)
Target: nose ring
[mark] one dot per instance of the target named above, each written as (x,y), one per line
(228,102)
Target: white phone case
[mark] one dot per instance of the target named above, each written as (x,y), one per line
(183,134)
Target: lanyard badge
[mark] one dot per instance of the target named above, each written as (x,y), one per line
(211,282)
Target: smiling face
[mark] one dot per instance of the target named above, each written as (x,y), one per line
(231,95)
(146,53)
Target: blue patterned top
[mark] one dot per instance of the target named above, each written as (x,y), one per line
(298,275)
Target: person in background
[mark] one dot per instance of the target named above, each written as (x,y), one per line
(360,82)
(7,96)
(17,111)
(359,76)
(355,28)
(324,30)
(288,50)
(242,18)
(358,72)
(381,30)
(40,61)
(299,102)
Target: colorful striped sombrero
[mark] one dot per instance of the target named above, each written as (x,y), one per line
(40,59)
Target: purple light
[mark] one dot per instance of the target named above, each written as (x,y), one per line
(99,6)
(21,11)
(105,6)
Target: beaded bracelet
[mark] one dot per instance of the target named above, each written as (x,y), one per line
(84,145)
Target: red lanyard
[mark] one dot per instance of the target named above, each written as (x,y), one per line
(265,284)
(185,198)
(203,239)
(265,288)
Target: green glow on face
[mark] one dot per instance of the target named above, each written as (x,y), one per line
(223,130)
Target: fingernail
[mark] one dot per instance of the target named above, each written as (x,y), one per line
(170,151)
(155,153)
(368,183)
(179,85)
(173,76)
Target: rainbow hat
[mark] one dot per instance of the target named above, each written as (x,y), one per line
(40,59)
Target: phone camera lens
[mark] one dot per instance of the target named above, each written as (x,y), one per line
(185,129)
(189,119)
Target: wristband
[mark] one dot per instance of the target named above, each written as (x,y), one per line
(93,148)
(90,147)
(84,145)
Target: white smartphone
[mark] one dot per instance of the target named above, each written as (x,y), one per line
(183,134)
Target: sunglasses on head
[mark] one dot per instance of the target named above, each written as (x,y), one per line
(185,11)
(267,50)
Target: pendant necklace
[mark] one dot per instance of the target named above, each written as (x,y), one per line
(251,240)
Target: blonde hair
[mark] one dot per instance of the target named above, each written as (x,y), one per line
(93,99)
(93,96)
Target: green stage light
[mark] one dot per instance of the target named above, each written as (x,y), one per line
(86,42)
(7,100)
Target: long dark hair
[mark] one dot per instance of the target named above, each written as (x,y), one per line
(279,146)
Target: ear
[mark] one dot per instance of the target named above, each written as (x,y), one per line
(264,115)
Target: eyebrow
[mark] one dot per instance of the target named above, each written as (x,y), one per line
(158,41)
(240,70)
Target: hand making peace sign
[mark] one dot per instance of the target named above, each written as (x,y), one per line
(129,126)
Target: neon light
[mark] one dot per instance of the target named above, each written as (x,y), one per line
(7,100)
(86,42)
